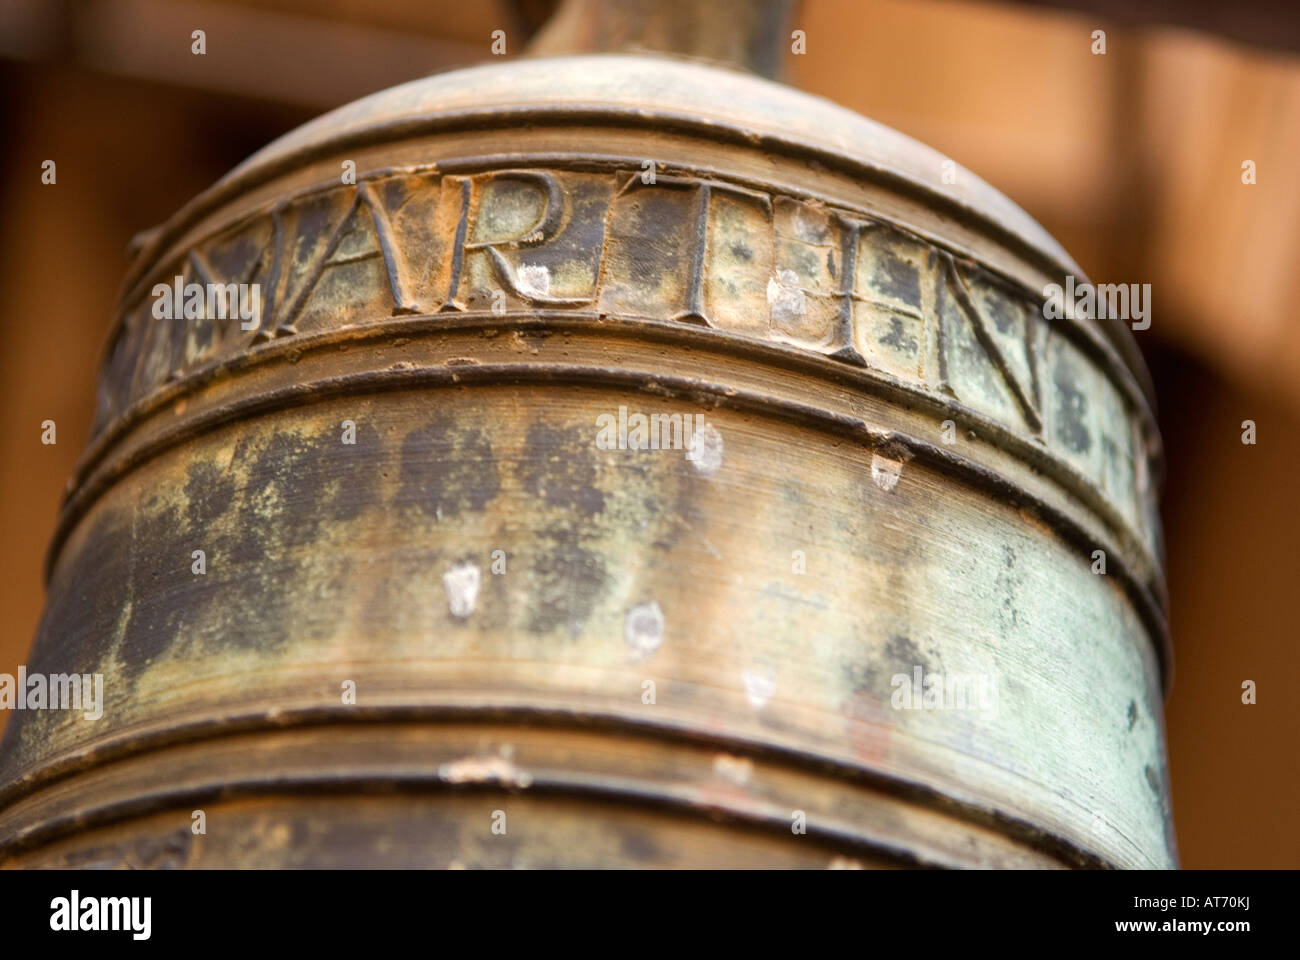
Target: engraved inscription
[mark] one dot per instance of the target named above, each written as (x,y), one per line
(696,250)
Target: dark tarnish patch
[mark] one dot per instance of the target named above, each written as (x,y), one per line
(1071,408)
(85,601)
(1001,310)
(1162,799)
(84,605)
(902,655)
(582,239)
(296,487)
(869,678)
(317,218)
(446,470)
(1132,713)
(210,492)
(162,585)
(804,261)
(1009,581)
(394,193)
(297,479)
(897,337)
(568,580)
(661,217)
(358,474)
(898,278)
(559,468)
(234,258)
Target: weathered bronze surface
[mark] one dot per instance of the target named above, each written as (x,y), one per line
(527,248)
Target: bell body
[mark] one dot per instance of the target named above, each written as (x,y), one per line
(620,461)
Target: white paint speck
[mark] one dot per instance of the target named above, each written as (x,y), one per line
(785,297)
(461,583)
(643,629)
(760,684)
(885,472)
(500,770)
(534,280)
(737,770)
(705,449)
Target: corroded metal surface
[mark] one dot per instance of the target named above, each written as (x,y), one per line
(899,466)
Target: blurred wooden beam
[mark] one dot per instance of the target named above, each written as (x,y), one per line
(1266,23)
(268,51)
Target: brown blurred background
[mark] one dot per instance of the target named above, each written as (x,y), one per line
(1133,160)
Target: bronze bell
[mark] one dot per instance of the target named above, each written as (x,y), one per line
(604,460)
